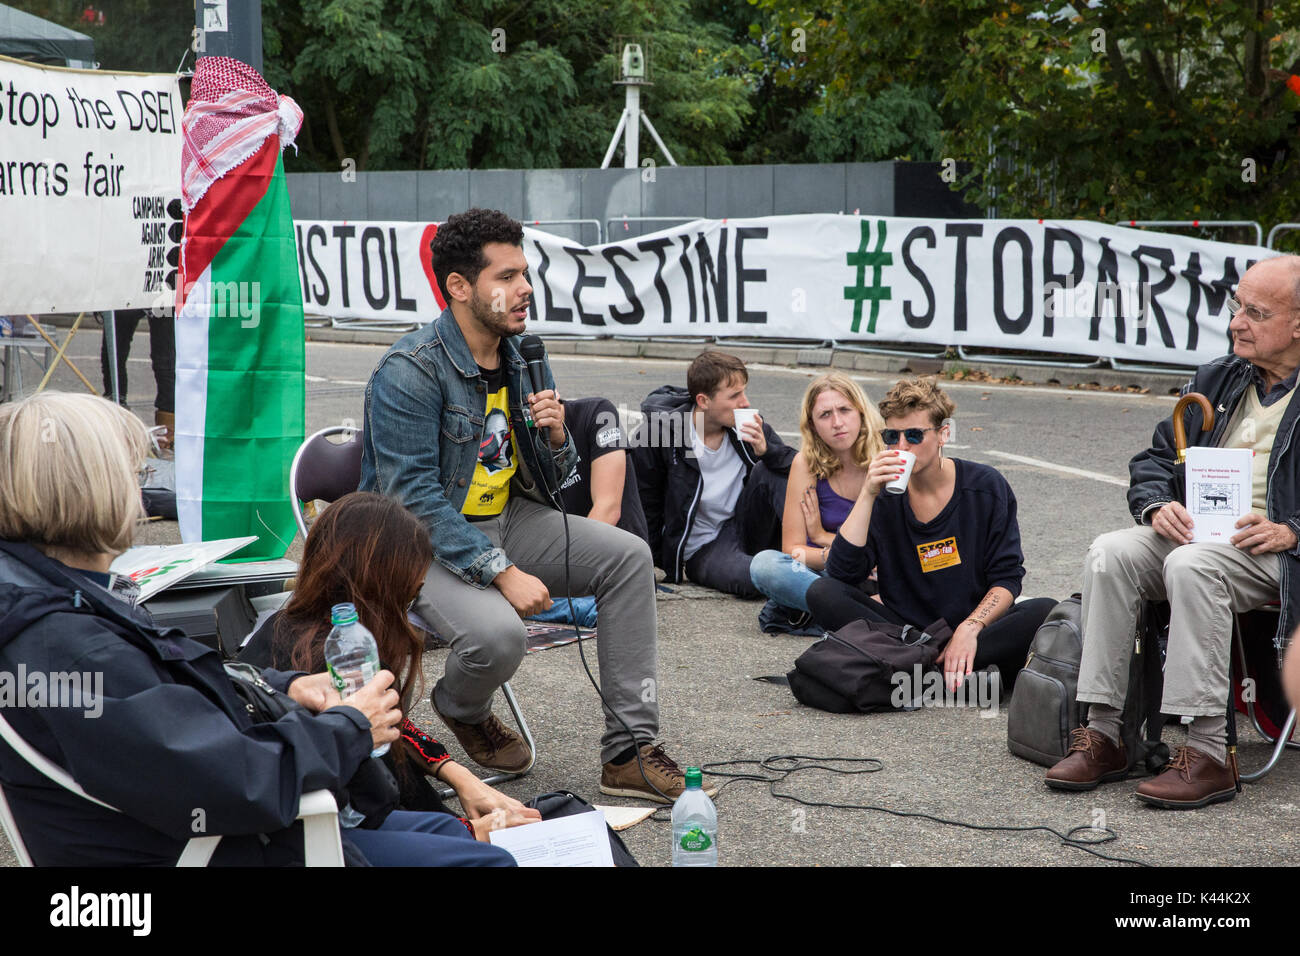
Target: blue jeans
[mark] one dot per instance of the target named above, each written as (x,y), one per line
(425,839)
(782,578)
(583,607)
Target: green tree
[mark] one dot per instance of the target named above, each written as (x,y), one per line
(148,36)
(1119,109)
(492,83)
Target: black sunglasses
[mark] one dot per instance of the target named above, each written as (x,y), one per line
(914,436)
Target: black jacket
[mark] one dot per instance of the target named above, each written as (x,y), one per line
(172,748)
(669,480)
(1152,472)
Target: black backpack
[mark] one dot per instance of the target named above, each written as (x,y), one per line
(1044,710)
(563,803)
(850,671)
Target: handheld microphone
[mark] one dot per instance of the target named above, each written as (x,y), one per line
(534,353)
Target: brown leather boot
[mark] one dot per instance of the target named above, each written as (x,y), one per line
(1092,760)
(490,744)
(1191,780)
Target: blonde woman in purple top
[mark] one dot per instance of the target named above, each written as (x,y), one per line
(841,434)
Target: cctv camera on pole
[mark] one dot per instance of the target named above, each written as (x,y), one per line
(633,74)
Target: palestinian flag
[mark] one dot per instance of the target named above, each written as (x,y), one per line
(240,353)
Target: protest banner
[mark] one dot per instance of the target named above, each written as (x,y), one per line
(89,188)
(1082,288)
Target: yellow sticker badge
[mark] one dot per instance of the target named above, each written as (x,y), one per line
(938,555)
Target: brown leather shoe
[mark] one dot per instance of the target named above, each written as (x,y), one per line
(490,744)
(1189,781)
(661,771)
(1092,760)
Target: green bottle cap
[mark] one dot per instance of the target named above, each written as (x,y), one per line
(693,778)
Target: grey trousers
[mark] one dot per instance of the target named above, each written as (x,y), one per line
(1205,584)
(488,638)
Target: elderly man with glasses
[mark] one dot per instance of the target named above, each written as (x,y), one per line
(1205,584)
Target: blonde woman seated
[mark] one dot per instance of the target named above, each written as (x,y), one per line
(841,434)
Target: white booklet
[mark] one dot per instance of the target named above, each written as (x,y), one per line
(156,567)
(1218,491)
(578,840)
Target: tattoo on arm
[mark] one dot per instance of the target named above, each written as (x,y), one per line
(988,609)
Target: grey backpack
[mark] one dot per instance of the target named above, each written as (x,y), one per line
(1043,709)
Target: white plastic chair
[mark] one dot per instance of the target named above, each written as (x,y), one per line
(317,810)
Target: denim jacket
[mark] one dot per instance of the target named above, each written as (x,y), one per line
(428,385)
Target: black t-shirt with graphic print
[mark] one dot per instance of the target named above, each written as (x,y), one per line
(594,425)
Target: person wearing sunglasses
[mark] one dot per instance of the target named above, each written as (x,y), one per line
(948,547)
(1251,391)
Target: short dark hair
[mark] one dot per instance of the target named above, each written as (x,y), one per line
(458,244)
(711,370)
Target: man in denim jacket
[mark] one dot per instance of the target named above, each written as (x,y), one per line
(454,431)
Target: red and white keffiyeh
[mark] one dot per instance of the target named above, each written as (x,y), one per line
(230,114)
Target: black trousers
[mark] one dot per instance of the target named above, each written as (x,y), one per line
(1005,642)
(723,563)
(162,354)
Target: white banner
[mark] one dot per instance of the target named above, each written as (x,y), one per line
(1077,287)
(89,164)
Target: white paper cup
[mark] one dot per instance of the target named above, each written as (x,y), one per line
(899,485)
(744,415)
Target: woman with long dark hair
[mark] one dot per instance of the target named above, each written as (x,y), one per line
(172,734)
(368,550)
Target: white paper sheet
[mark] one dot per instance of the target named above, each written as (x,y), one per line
(579,840)
(1218,491)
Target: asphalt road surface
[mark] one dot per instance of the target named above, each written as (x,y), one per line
(1065,454)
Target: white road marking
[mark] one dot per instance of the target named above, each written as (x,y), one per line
(1064,469)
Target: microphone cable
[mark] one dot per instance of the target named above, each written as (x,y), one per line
(548,477)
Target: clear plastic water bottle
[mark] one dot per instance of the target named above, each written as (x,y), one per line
(695,825)
(351,655)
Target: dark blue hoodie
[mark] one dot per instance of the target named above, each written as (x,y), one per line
(171,746)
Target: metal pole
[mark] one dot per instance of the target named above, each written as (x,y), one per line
(230,28)
(655,133)
(632,128)
(110,343)
(613,140)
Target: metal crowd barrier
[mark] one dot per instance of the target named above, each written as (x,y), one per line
(1280,227)
(600,236)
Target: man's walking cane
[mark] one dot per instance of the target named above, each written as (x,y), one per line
(1180,446)
(1180,428)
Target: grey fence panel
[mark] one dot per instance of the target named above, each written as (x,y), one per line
(553,194)
(498,189)
(738,191)
(393,196)
(304,195)
(340,200)
(799,189)
(869,188)
(673,189)
(442,193)
(610,192)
